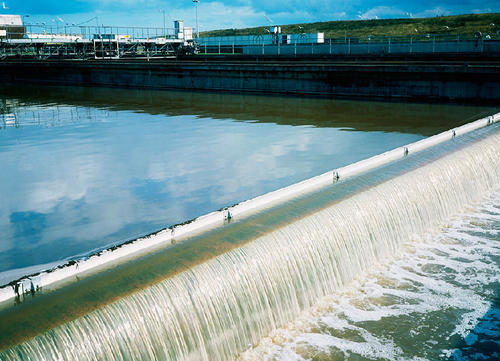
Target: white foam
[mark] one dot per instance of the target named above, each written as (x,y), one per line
(436,272)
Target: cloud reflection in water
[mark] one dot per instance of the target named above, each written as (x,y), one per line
(81,174)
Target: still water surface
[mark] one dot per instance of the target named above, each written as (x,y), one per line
(86,168)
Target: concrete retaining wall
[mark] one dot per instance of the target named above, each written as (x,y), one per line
(448,82)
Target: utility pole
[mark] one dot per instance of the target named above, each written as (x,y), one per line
(196,9)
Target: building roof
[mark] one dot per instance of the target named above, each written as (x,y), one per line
(14,20)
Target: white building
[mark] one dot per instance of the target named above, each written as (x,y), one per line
(10,20)
(11,26)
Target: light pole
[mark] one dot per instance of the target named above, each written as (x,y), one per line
(24,25)
(164,26)
(52,28)
(196,9)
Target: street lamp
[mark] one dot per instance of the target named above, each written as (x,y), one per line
(24,25)
(164,26)
(196,7)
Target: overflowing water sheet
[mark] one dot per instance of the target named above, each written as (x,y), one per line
(216,309)
(437,300)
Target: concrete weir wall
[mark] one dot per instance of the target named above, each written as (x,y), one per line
(239,211)
(420,81)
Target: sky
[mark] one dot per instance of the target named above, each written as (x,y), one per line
(222,14)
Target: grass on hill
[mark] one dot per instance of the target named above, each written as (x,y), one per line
(457,24)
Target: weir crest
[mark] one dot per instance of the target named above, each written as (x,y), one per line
(218,308)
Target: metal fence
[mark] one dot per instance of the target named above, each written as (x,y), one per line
(84,42)
(37,31)
(428,43)
(266,44)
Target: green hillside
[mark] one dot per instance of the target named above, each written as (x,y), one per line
(458,24)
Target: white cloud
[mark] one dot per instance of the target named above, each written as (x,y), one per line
(383,12)
(220,14)
(437,11)
(339,15)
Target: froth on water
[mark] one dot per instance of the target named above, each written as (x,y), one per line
(438,300)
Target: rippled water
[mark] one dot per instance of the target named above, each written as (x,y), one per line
(87,168)
(438,300)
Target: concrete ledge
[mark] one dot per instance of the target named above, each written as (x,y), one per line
(462,82)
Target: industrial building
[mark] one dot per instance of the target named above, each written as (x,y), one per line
(252,44)
(18,40)
(11,26)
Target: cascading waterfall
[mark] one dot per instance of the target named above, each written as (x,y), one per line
(219,308)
